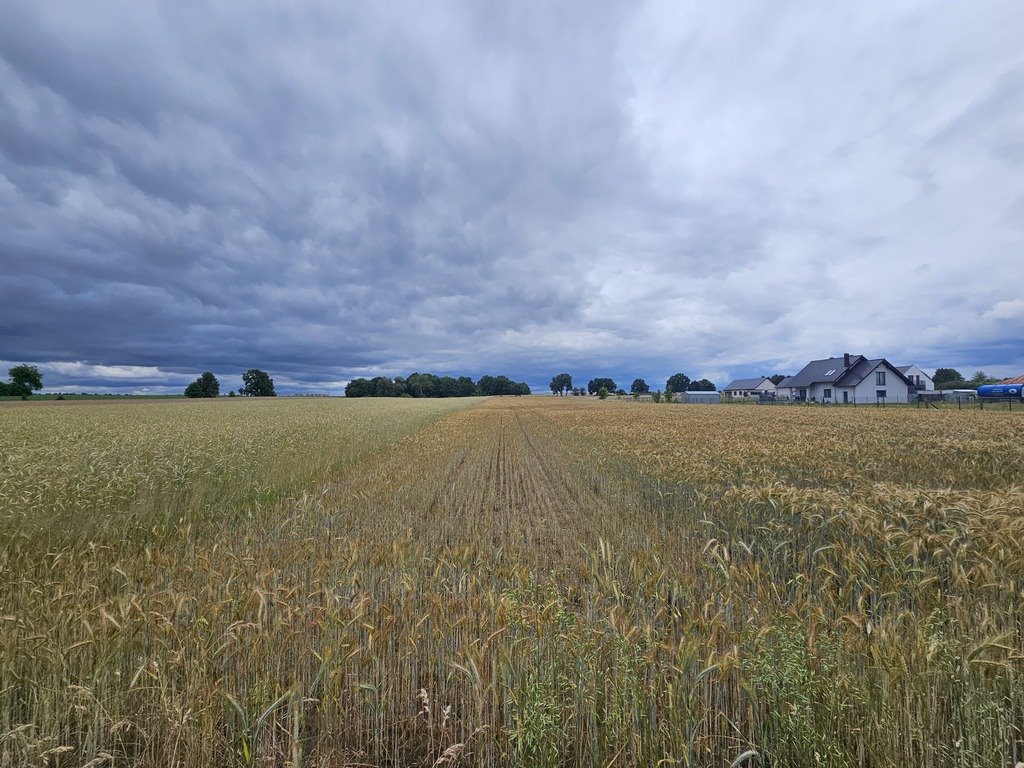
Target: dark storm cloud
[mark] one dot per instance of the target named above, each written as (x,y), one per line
(346,190)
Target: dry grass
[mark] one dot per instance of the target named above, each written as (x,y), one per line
(528,582)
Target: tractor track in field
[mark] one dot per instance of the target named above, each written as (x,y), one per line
(499,475)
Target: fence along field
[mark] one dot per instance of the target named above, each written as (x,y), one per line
(536,582)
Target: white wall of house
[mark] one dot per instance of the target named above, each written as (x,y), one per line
(785,392)
(918,376)
(817,393)
(797,393)
(896,390)
(737,394)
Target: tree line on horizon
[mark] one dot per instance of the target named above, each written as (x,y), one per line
(561,384)
(429,385)
(951,378)
(255,383)
(25,379)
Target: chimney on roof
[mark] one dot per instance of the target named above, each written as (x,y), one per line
(846,359)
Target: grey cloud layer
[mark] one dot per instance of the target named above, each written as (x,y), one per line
(340,191)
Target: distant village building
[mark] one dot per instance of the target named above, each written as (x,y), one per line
(848,379)
(700,397)
(749,388)
(920,381)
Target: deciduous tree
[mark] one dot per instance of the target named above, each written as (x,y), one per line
(257,384)
(502,385)
(948,378)
(382,386)
(25,379)
(594,385)
(205,386)
(677,382)
(358,388)
(561,384)
(980,377)
(639,387)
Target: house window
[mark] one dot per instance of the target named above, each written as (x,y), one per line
(880,394)
(828,393)
(880,378)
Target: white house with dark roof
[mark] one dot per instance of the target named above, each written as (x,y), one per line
(848,379)
(920,380)
(749,387)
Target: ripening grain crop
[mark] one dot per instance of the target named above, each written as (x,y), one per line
(530,582)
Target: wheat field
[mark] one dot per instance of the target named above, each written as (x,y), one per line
(509,582)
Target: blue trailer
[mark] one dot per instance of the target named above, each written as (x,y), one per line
(1001,391)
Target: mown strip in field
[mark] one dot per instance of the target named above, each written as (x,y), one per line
(545,583)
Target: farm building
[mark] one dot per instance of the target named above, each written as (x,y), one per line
(920,381)
(1014,380)
(701,397)
(847,379)
(749,387)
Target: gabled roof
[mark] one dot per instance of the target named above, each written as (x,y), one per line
(905,368)
(1014,380)
(857,373)
(826,371)
(747,383)
(784,383)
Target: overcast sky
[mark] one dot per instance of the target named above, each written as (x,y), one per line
(336,190)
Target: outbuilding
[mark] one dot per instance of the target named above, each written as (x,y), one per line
(741,388)
(701,397)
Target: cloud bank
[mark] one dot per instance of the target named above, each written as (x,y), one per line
(344,190)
